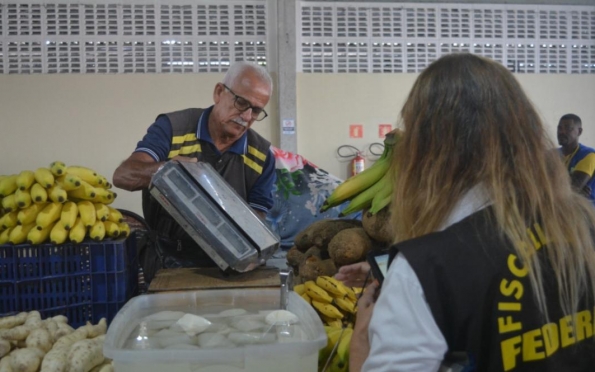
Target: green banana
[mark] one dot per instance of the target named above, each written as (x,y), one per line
(364,199)
(357,184)
(378,205)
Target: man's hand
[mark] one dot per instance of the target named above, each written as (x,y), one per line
(360,343)
(184,159)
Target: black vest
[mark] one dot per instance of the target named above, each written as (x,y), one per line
(482,301)
(240,171)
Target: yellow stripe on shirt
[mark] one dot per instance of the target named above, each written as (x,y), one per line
(257,154)
(586,165)
(252,164)
(185,138)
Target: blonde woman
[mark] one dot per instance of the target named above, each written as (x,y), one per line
(494,257)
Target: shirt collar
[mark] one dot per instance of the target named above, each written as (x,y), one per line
(202,133)
(474,200)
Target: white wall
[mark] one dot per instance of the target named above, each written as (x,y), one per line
(329,103)
(96,120)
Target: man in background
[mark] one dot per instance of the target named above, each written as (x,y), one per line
(579,159)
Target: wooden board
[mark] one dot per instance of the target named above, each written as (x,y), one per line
(185,279)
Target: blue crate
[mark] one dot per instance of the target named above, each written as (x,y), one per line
(85,282)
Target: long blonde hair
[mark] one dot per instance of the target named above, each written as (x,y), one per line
(467,122)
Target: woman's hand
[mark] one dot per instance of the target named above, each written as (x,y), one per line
(360,344)
(353,275)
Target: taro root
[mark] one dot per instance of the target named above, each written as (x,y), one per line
(295,257)
(349,246)
(321,232)
(378,226)
(313,267)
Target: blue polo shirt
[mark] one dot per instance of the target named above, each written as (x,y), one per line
(157,143)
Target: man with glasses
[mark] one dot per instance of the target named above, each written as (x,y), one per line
(219,135)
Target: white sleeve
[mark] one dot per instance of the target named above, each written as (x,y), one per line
(403,334)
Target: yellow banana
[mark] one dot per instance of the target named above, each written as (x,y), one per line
(44,177)
(18,234)
(49,214)
(22,198)
(357,290)
(124,229)
(87,213)
(68,215)
(317,293)
(58,235)
(85,192)
(350,293)
(331,322)
(345,305)
(327,309)
(299,289)
(331,285)
(9,203)
(333,335)
(29,214)
(111,229)
(38,193)
(4,236)
(69,182)
(57,194)
(104,182)
(37,236)
(9,220)
(103,196)
(86,174)
(57,168)
(8,185)
(114,215)
(78,231)
(25,179)
(343,348)
(101,211)
(97,231)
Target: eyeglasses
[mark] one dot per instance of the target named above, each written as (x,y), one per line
(242,104)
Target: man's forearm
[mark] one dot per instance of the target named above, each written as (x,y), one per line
(134,175)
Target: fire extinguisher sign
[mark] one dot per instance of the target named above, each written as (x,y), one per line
(383,130)
(356,131)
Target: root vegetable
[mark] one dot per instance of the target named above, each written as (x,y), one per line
(13,321)
(63,330)
(320,233)
(378,226)
(56,360)
(39,338)
(52,328)
(314,251)
(5,364)
(295,257)
(349,246)
(5,347)
(86,354)
(33,320)
(314,267)
(96,330)
(60,319)
(18,333)
(26,360)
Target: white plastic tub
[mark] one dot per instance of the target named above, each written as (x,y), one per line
(293,356)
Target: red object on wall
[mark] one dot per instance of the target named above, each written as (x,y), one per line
(356,131)
(383,129)
(358,163)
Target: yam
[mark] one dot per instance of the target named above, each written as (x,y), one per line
(321,232)
(96,330)
(295,257)
(5,347)
(313,251)
(349,246)
(60,319)
(314,267)
(305,238)
(33,320)
(13,321)
(86,354)
(378,226)
(18,333)
(39,338)
(26,360)
(56,360)
(5,364)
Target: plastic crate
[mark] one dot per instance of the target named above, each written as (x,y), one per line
(85,282)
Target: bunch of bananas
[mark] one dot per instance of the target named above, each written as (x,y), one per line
(371,189)
(57,204)
(335,303)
